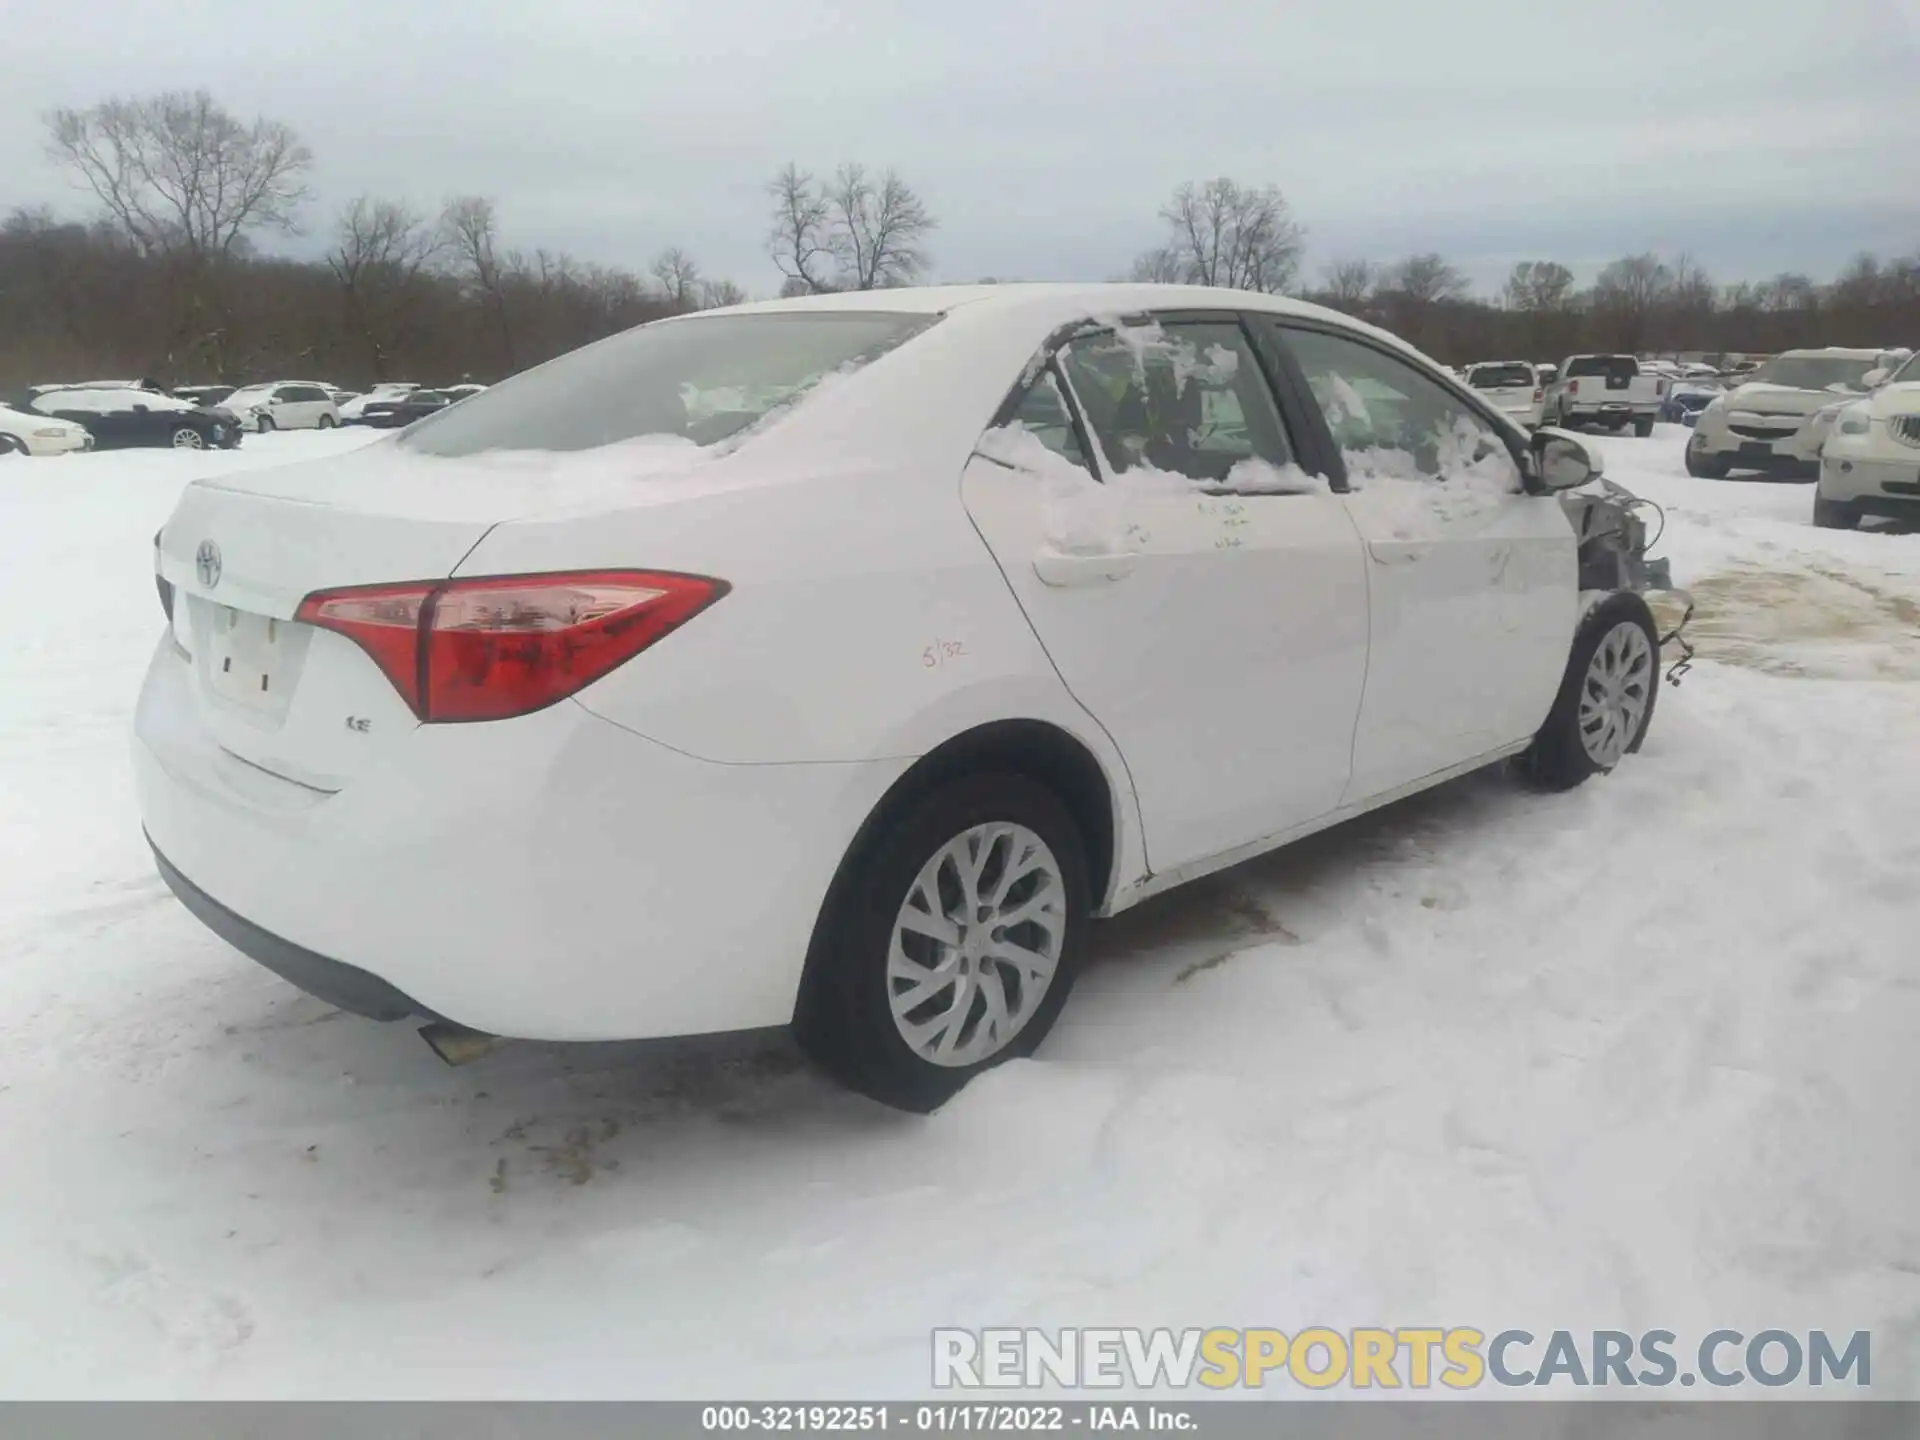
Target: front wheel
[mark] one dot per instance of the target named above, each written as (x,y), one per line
(266,423)
(1703,466)
(950,942)
(11,446)
(1834,514)
(188,438)
(1606,697)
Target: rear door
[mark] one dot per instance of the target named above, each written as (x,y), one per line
(1509,388)
(1472,581)
(1199,594)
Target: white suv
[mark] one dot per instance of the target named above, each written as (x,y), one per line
(1513,387)
(1770,421)
(1870,462)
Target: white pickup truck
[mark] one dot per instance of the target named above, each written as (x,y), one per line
(1609,390)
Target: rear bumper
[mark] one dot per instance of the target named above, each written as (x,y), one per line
(553,877)
(345,986)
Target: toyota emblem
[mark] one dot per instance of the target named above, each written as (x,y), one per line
(206,563)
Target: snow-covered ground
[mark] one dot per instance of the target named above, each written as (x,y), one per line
(1642,1055)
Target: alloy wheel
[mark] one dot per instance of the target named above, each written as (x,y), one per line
(1615,693)
(976,944)
(186,439)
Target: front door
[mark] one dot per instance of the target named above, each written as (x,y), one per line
(1473,582)
(1200,596)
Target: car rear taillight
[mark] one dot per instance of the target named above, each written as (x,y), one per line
(1573,387)
(1659,388)
(1539,394)
(504,645)
(160,581)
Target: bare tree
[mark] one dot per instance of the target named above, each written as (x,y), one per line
(679,278)
(472,230)
(715,294)
(1539,285)
(1227,234)
(800,240)
(1425,280)
(1161,265)
(1347,284)
(178,173)
(879,228)
(1789,291)
(381,251)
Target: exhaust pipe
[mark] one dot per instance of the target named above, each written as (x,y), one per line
(457,1045)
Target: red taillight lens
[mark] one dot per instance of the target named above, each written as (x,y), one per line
(1573,387)
(487,649)
(1539,393)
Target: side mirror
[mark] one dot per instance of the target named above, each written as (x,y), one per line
(1563,460)
(1873,379)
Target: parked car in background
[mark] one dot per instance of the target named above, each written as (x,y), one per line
(1870,461)
(208,395)
(1606,390)
(120,418)
(404,409)
(23,432)
(1766,422)
(462,391)
(890,834)
(1687,398)
(1547,373)
(1512,388)
(353,412)
(285,405)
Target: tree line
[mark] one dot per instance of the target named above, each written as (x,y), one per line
(171,276)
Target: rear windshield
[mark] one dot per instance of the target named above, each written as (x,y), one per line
(703,379)
(1501,377)
(1614,367)
(1812,372)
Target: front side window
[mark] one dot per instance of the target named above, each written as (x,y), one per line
(704,378)
(1391,422)
(1186,398)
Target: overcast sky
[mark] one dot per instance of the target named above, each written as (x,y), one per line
(1044,134)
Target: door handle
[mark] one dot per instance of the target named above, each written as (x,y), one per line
(1057,569)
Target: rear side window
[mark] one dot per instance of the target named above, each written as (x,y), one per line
(703,379)
(1043,414)
(1186,397)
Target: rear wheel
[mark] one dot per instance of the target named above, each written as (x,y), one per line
(1606,698)
(327,422)
(188,438)
(1834,514)
(950,943)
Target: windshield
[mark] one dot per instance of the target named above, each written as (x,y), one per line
(1812,372)
(704,379)
(1907,374)
(1501,377)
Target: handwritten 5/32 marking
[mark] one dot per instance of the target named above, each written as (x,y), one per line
(942,651)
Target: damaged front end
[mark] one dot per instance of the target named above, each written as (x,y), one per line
(1613,545)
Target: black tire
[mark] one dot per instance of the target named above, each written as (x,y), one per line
(1706,467)
(266,424)
(196,442)
(11,446)
(1643,427)
(1834,514)
(1557,760)
(843,1020)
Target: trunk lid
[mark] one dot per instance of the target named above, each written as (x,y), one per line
(243,551)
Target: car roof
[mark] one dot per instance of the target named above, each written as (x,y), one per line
(1068,300)
(1829,352)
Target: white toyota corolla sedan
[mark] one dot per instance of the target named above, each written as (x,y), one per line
(832,662)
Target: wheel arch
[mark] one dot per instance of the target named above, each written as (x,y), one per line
(1038,749)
